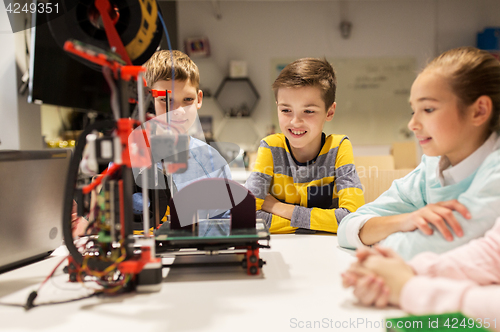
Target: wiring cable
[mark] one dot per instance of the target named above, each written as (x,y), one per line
(33,295)
(171,56)
(48,303)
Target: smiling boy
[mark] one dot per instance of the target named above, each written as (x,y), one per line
(303,179)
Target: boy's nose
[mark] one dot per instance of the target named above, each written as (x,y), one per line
(296,119)
(177,109)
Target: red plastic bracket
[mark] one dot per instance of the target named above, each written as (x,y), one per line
(252,257)
(114,40)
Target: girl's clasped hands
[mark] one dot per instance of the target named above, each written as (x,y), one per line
(378,276)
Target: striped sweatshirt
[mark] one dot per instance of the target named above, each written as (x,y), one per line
(323,191)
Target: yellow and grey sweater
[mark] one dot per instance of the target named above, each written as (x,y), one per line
(323,191)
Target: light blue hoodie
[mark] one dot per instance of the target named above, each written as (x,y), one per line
(479,192)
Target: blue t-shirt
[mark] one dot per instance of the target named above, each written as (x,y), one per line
(203,162)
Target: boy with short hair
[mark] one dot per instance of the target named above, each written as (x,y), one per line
(303,180)
(203,160)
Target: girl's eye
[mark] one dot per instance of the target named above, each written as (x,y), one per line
(188,99)
(308,111)
(429,110)
(163,100)
(285,110)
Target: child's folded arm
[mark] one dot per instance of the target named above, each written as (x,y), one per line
(478,260)
(318,219)
(259,181)
(392,202)
(340,181)
(315,218)
(481,199)
(348,232)
(424,295)
(327,220)
(276,224)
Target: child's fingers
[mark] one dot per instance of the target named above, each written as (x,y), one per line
(79,226)
(364,252)
(386,252)
(441,216)
(367,290)
(361,288)
(383,300)
(440,225)
(445,218)
(359,271)
(348,279)
(457,206)
(423,225)
(345,281)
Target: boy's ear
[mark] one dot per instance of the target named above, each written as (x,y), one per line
(331,112)
(481,110)
(200,99)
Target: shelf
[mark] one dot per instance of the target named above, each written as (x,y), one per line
(242,131)
(237,97)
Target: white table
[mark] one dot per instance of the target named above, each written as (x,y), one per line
(300,285)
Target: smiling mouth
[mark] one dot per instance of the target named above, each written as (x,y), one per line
(297,133)
(178,121)
(424,140)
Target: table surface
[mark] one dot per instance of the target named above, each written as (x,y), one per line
(299,289)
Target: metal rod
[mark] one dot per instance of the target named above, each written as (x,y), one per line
(144,182)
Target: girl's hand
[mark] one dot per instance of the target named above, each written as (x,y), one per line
(371,290)
(378,272)
(351,276)
(440,215)
(394,272)
(378,276)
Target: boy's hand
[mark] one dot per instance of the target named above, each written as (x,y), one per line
(272,205)
(440,215)
(78,224)
(269,203)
